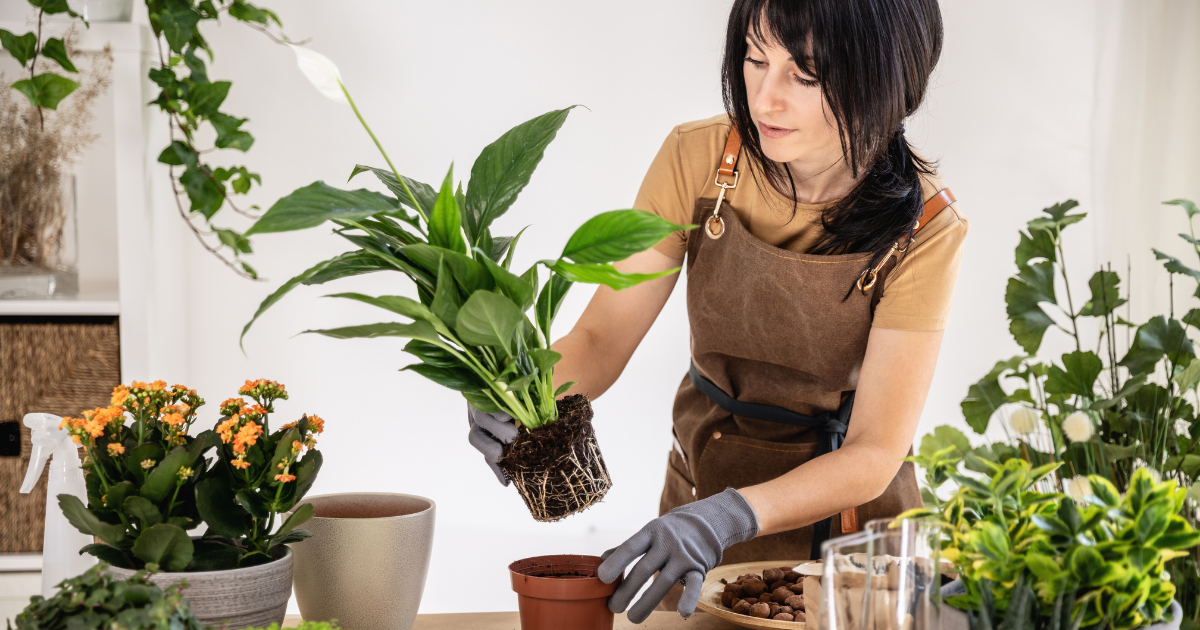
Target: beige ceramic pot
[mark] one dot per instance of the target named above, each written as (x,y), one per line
(366,564)
(252,597)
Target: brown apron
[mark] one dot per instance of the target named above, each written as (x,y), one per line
(771,327)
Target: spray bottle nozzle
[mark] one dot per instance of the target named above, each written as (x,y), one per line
(46,438)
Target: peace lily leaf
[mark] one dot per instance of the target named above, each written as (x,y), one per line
(400,305)
(425,194)
(340,266)
(1187,206)
(321,72)
(445,220)
(550,299)
(489,319)
(416,330)
(512,248)
(317,203)
(504,167)
(165,545)
(517,289)
(1174,265)
(544,359)
(1082,369)
(1106,295)
(1037,244)
(445,298)
(1028,322)
(46,89)
(21,47)
(604,274)
(430,354)
(459,379)
(617,235)
(1157,338)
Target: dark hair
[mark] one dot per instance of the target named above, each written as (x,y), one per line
(873,59)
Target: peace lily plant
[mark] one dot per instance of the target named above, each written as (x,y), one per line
(476,326)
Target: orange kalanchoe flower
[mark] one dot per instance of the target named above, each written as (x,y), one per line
(116,449)
(246,436)
(285,478)
(225,429)
(120,394)
(316,423)
(240,463)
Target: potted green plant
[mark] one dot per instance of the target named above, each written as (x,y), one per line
(477,326)
(150,484)
(1028,558)
(96,599)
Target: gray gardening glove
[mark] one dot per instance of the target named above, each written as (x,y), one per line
(489,433)
(681,546)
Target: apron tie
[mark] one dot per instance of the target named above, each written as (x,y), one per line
(832,425)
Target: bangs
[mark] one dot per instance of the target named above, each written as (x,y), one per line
(785,24)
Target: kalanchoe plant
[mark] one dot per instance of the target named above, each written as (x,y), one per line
(150,483)
(1037,560)
(96,599)
(478,326)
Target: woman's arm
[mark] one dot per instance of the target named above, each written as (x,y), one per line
(896,374)
(597,349)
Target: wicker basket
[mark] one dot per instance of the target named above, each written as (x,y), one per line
(55,365)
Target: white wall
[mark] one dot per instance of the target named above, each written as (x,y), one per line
(1010,117)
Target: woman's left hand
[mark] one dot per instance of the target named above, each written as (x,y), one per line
(681,546)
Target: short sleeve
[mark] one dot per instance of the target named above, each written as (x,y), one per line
(665,192)
(918,292)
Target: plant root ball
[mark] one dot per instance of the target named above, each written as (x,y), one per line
(742,607)
(754,587)
(795,601)
(772,575)
(781,595)
(784,617)
(760,610)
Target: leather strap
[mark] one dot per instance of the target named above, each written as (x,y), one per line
(729,159)
(933,206)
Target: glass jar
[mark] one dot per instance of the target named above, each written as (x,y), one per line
(39,240)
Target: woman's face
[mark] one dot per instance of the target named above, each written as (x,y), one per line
(794,122)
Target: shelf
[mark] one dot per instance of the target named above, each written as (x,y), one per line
(20,562)
(101,303)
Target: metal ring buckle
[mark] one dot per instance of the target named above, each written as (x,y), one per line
(717,233)
(716,215)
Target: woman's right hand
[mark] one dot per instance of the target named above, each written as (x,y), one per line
(489,433)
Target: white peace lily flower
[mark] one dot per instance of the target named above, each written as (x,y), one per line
(1078,487)
(1024,420)
(1078,427)
(321,72)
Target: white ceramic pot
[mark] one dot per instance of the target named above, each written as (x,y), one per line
(103,10)
(234,599)
(367,561)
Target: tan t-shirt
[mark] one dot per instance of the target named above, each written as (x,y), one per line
(917,293)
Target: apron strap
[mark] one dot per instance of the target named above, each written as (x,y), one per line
(831,424)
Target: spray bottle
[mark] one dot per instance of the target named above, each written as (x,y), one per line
(60,552)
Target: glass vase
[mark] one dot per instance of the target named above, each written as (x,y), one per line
(39,242)
(883,578)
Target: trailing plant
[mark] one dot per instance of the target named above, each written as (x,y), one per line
(1037,560)
(96,599)
(45,89)
(149,482)
(477,327)
(1111,405)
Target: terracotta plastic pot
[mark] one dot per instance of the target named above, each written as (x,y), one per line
(562,593)
(236,598)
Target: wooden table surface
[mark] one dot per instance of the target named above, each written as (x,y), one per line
(659,620)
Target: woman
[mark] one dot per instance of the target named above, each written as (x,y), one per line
(820,285)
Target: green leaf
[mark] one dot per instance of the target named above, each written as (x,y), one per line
(340,266)
(206,194)
(1157,338)
(1104,491)
(1174,265)
(253,503)
(162,479)
(986,396)
(1039,245)
(1086,564)
(1043,566)
(431,354)
(504,167)
(306,473)
(165,545)
(544,359)
(229,134)
(445,298)
(1187,206)
(445,221)
(604,274)
(300,516)
(52,7)
(177,154)
(1153,520)
(469,273)
(562,388)
(143,510)
(109,554)
(1106,294)
(1189,377)
(46,89)
(457,378)
(238,243)
(425,194)
(177,22)
(83,520)
(1082,369)
(206,98)
(489,319)
(294,536)
(21,47)
(218,506)
(517,289)
(617,235)
(54,49)
(247,12)
(1028,322)
(549,300)
(117,493)
(400,305)
(512,248)
(942,437)
(416,330)
(317,203)
(214,558)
